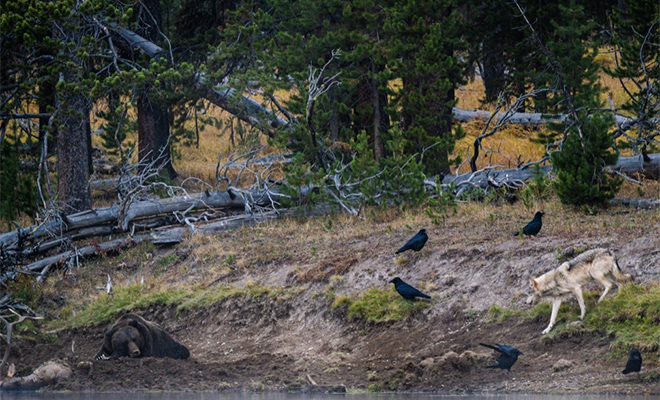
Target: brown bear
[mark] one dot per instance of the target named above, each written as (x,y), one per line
(133,336)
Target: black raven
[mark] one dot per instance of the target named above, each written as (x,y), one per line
(508,356)
(416,243)
(406,291)
(533,227)
(634,363)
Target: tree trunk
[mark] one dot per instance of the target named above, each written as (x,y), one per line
(88,136)
(494,68)
(334,117)
(153,119)
(153,135)
(72,157)
(379,146)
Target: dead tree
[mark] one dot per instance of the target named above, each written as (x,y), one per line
(9,329)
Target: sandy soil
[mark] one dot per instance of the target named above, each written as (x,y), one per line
(303,344)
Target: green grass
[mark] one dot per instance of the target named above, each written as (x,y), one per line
(377,305)
(137,297)
(499,314)
(632,317)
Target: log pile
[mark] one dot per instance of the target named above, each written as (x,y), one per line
(173,219)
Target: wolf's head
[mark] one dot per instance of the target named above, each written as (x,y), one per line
(536,292)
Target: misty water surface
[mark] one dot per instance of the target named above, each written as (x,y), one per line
(289,396)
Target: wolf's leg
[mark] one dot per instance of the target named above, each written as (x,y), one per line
(578,293)
(606,282)
(553,317)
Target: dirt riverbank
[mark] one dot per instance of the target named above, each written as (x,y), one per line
(302,343)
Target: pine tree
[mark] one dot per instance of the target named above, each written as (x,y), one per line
(580,165)
(422,42)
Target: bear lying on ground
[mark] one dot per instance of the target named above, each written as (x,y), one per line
(133,336)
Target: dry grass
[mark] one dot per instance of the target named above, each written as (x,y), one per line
(322,271)
(512,145)
(207,269)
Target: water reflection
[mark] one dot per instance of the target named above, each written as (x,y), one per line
(296,396)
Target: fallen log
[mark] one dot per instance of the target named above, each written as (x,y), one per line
(110,215)
(483,179)
(636,165)
(176,235)
(163,236)
(104,185)
(532,119)
(647,204)
(97,249)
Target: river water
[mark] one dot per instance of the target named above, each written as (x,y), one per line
(289,396)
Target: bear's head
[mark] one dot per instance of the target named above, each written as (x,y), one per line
(126,341)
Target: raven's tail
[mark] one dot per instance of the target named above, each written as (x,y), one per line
(496,365)
(516,233)
(490,346)
(625,371)
(401,250)
(426,296)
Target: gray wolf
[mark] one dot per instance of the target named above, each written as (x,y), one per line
(569,277)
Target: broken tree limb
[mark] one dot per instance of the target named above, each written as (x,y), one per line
(110,184)
(176,235)
(10,327)
(246,108)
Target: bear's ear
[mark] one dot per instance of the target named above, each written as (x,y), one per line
(108,334)
(133,323)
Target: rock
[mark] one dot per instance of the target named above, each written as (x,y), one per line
(85,366)
(472,358)
(426,363)
(562,365)
(447,280)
